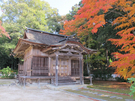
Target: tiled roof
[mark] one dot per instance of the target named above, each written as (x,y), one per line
(38,36)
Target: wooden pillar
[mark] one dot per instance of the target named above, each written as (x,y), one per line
(69,66)
(31,65)
(81,69)
(49,65)
(56,71)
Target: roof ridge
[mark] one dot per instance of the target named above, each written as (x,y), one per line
(45,32)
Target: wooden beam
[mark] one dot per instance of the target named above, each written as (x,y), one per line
(29,48)
(59,47)
(52,55)
(72,46)
(71,50)
(45,50)
(66,54)
(18,47)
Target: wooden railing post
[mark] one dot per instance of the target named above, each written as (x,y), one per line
(56,71)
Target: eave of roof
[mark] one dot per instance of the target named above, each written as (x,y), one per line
(88,50)
(28,42)
(17,45)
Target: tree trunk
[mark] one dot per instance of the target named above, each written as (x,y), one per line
(87,66)
(88,70)
(107,59)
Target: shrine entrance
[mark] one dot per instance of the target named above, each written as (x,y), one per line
(66,63)
(63,69)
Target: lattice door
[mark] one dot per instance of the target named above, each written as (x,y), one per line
(62,67)
(75,67)
(40,66)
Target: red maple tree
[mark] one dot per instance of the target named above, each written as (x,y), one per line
(3,31)
(89,19)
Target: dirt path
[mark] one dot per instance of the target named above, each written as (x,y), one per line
(18,93)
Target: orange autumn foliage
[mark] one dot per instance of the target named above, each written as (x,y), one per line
(125,62)
(3,31)
(88,19)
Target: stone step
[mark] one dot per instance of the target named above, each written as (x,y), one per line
(68,83)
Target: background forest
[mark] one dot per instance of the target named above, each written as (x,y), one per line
(97,28)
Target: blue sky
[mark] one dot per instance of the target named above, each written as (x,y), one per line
(64,6)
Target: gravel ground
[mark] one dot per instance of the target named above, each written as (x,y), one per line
(9,91)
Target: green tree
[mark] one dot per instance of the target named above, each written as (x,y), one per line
(73,12)
(17,15)
(100,61)
(55,23)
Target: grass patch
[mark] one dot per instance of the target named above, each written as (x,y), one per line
(100,95)
(126,91)
(113,86)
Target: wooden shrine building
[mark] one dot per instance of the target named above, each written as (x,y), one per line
(52,57)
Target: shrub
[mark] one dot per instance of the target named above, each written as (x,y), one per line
(103,73)
(6,73)
(132,87)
